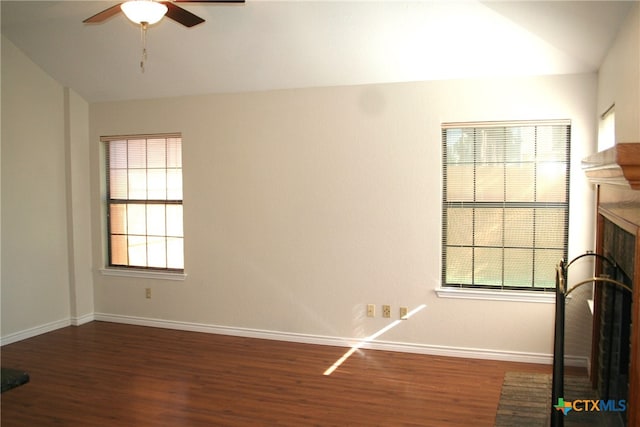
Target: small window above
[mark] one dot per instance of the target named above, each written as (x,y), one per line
(607,129)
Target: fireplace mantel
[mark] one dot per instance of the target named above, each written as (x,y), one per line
(619,165)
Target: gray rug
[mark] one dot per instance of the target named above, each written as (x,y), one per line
(525,401)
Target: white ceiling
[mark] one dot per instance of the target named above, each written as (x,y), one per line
(263,45)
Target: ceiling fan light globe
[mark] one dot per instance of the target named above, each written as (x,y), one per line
(139,11)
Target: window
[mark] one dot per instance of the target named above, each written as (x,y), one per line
(144,202)
(607,129)
(505,204)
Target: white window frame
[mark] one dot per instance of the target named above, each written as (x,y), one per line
(112,268)
(471,291)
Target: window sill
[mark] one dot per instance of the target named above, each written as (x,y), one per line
(144,274)
(495,295)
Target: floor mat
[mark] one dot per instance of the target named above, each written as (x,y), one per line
(12,378)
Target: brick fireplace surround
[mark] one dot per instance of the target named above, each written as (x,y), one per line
(616,174)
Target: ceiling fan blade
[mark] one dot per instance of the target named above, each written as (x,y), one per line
(181,15)
(104,15)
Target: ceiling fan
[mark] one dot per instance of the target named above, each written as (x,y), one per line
(149,12)
(152,11)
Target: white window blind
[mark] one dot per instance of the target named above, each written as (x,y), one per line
(505,204)
(144,201)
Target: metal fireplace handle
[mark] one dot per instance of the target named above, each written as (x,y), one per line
(599,279)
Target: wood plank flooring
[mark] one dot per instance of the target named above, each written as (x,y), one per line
(107,374)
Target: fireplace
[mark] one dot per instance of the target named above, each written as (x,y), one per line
(615,354)
(612,334)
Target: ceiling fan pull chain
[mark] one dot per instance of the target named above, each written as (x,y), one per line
(143,35)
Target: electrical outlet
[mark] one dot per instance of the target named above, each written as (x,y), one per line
(371,310)
(386,311)
(148,293)
(403,312)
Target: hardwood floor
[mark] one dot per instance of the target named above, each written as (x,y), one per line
(107,374)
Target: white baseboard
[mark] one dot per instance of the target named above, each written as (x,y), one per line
(81,320)
(433,350)
(470,353)
(35,331)
(223,330)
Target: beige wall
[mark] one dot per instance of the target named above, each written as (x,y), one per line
(78,208)
(302,206)
(619,79)
(35,279)
(46,248)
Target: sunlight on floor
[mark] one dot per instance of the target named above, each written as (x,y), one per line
(370,338)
